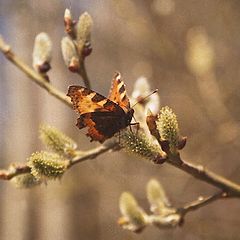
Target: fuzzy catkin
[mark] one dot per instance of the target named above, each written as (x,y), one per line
(167,126)
(131,210)
(139,144)
(156,196)
(42,52)
(57,141)
(47,165)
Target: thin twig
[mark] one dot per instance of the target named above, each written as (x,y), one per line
(173,217)
(83,74)
(206,175)
(13,171)
(17,169)
(93,153)
(201,202)
(34,76)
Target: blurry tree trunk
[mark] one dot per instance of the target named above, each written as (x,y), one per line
(33,213)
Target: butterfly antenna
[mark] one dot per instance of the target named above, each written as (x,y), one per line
(141,100)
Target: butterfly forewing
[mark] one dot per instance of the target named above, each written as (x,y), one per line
(85,100)
(118,93)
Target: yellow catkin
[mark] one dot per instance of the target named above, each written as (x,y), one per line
(57,141)
(167,126)
(139,144)
(47,165)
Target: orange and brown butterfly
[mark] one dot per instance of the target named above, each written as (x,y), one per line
(103,116)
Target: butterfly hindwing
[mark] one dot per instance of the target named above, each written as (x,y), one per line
(101,125)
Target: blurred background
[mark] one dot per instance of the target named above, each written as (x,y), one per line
(189,50)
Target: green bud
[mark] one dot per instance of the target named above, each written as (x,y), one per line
(157,197)
(70,54)
(57,141)
(167,126)
(84,27)
(69,23)
(133,216)
(47,165)
(42,53)
(139,144)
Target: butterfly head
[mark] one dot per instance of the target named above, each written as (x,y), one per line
(129,116)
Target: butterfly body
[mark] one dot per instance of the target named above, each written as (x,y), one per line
(103,116)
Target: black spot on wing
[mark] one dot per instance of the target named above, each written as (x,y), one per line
(98,98)
(86,92)
(122,89)
(124,98)
(108,104)
(80,122)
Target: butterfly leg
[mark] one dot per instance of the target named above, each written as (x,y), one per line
(135,124)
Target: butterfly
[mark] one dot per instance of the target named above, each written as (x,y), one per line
(102,116)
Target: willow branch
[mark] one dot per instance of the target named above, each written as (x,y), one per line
(205,175)
(93,153)
(201,202)
(34,76)
(174,217)
(13,171)
(17,169)
(83,74)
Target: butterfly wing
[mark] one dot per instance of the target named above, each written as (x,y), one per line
(102,116)
(101,125)
(118,93)
(85,100)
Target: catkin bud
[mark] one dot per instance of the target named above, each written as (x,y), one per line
(139,144)
(70,55)
(133,216)
(84,27)
(157,197)
(167,125)
(69,24)
(26,180)
(57,141)
(47,165)
(42,53)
